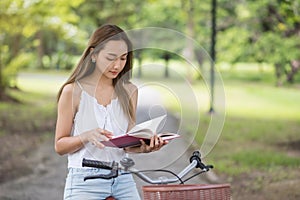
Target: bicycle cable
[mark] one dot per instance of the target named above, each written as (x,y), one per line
(193,176)
(160,170)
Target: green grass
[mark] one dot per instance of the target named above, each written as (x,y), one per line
(35,112)
(261,119)
(29,115)
(261,158)
(47,83)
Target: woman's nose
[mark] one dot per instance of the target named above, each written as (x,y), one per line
(117,63)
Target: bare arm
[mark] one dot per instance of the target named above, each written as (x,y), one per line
(64,142)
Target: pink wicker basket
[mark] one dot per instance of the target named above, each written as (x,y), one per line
(187,192)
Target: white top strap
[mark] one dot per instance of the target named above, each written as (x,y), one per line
(79,85)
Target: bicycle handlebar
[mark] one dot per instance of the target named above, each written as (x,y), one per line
(97,164)
(127,163)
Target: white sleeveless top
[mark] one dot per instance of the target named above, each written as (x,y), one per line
(92,115)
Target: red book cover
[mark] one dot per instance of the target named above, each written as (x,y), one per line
(123,141)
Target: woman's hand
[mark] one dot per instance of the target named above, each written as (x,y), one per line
(155,144)
(95,137)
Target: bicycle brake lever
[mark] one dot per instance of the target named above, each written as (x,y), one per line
(113,173)
(210,166)
(196,156)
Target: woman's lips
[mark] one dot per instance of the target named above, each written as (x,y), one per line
(114,72)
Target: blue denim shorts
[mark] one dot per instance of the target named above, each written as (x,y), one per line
(122,188)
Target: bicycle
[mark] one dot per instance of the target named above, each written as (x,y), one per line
(160,188)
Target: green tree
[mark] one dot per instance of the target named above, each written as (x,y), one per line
(32,26)
(280,35)
(261,31)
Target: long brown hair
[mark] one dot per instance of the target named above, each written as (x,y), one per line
(85,66)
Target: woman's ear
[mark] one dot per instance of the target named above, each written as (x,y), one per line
(93,56)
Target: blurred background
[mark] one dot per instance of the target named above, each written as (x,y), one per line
(255,46)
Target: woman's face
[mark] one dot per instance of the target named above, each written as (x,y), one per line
(111,60)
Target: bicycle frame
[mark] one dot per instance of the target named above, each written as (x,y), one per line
(160,189)
(127,163)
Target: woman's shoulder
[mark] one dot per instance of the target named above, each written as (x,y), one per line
(70,90)
(71,93)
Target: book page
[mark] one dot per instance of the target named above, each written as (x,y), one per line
(168,136)
(147,127)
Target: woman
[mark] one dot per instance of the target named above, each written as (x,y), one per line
(96,103)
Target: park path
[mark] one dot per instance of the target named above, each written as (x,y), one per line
(47,180)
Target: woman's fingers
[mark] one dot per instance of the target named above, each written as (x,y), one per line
(106,133)
(98,144)
(144,147)
(161,142)
(156,143)
(96,136)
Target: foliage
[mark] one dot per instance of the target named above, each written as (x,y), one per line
(237,52)
(30,30)
(21,61)
(259,130)
(259,133)
(268,31)
(55,32)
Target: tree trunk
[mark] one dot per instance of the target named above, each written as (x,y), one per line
(295,66)
(278,73)
(1,79)
(213,53)
(40,49)
(188,52)
(166,58)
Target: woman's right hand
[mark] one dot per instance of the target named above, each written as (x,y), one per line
(95,137)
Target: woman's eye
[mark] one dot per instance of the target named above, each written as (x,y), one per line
(110,59)
(113,59)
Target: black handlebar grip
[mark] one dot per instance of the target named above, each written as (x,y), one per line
(96,164)
(197,153)
(196,156)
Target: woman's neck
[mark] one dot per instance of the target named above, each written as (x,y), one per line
(100,79)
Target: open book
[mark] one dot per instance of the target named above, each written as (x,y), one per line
(144,130)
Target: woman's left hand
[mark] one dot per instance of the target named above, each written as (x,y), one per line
(156,143)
